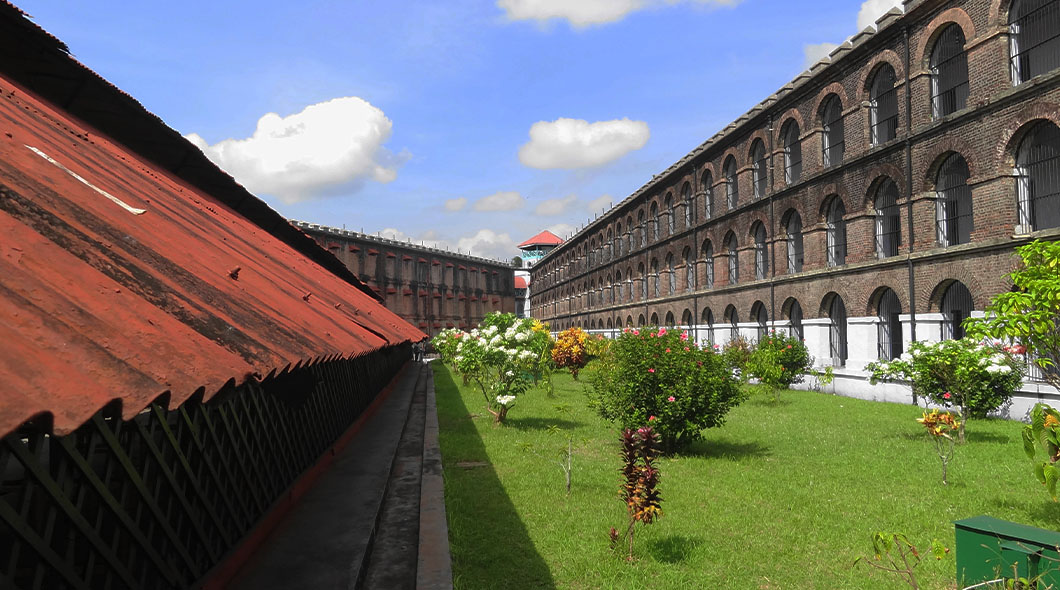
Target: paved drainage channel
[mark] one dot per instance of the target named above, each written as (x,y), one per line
(394,553)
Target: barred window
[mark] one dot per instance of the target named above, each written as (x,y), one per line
(643,281)
(708,321)
(761,252)
(708,264)
(953,204)
(670,222)
(686,319)
(690,271)
(949,72)
(837,331)
(836,233)
(629,284)
(792,152)
(671,275)
(732,190)
(1034,38)
(690,207)
(794,242)
(609,247)
(761,320)
(733,319)
(795,320)
(832,144)
(640,230)
(654,277)
(733,259)
(1038,177)
(707,183)
(888,219)
(956,306)
(669,319)
(617,287)
(889,328)
(758,169)
(883,106)
(654,221)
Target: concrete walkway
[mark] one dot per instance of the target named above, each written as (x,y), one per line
(376,517)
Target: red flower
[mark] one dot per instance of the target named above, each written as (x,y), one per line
(946,395)
(651,418)
(667,350)
(789,346)
(651,370)
(671,399)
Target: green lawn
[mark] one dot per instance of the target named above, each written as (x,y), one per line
(782,496)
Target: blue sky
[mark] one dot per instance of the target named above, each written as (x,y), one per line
(465,124)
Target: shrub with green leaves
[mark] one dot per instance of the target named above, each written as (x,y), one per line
(1044,433)
(779,360)
(737,353)
(659,377)
(974,378)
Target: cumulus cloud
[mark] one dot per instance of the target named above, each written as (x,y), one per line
(561,229)
(601,202)
(551,207)
(489,244)
(455,204)
(815,52)
(576,143)
(327,146)
(502,201)
(583,13)
(874,9)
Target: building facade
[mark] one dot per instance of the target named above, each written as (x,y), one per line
(874,200)
(530,252)
(431,289)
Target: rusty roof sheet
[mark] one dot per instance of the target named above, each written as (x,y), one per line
(119,280)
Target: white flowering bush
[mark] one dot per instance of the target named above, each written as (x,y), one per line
(500,357)
(974,378)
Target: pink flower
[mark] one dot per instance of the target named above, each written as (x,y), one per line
(667,350)
(651,370)
(684,335)
(789,346)
(671,399)
(716,347)
(662,331)
(946,395)
(651,418)
(699,363)
(636,332)
(686,349)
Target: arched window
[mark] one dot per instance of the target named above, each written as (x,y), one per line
(1038,173)
(836,233)
(690,271)
(591,294)
(956,306)
(794,242)
(949,72)
(837,331)
(669,319)
(888,219)
(654,222)
(708,263)
(640,320)
(671,274)
(654,319)
(618,287)
(1034,36)
(686,319)
(643,281)
(654,277)
(758,169)
(953,204)
(732,190)
(795,320)
(670,222)
(832,144)
(883,106)
(733,259)
(761,319)
(761,253)
(733,320)
(708,321)
(618,240)
(889,341)
(629,321)
(707,182)
(640,230)
(629,234)
(609,247)
(690,206)
(792,152)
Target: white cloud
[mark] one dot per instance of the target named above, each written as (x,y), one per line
(489,244)
(576,143)
(874,9)
(326,146)
(601,202)
(815,52)
(551,207)
(456,204)
(502,201)
(561,229)
(583,13)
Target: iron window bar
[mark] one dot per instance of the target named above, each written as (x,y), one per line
(792,154)
(1035,38)
(1038,177)
(949,73)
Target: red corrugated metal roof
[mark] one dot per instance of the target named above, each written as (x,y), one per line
(545,238)
(520,283)
(102,303)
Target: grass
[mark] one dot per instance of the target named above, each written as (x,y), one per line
(784,495)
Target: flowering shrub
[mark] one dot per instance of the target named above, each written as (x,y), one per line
(661,378)
(737,352)
(500,357)
(445,343)
(941,426)
(569,351)
(974,378)
(596,347)
(1044,432)
(779,359)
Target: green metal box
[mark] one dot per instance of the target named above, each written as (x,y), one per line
(989,548)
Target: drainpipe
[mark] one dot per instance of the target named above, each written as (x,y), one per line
(772,227)
(909,185)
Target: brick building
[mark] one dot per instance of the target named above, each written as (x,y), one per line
(873,200)
(430,288)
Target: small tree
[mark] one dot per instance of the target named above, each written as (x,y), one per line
(570,352)
(777,361)
(1044,433)
(1029,315)
(941,425)
(640,485)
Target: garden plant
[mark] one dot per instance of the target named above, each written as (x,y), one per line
(570,351)
(941,426)
(640,485)
(1043,433)
(777,361)
(660,377)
